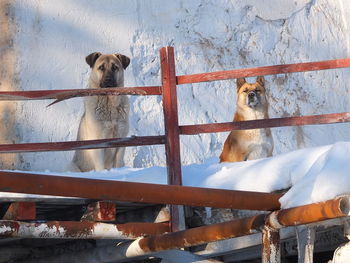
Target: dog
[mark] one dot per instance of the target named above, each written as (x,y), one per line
(104,116)
(243,145)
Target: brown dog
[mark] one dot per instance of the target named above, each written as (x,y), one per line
(242,145)
(105,116)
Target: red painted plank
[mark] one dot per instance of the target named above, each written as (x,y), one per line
(172,132)
(21,211)
(71,93)
(172,135)
(260,71)
(81,145)
(266,123)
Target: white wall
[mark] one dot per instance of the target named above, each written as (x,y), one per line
(53,38)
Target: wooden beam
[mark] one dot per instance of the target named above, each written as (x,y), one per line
(261,71)
(172,131)
(266,123)
(82,145)
(72,93)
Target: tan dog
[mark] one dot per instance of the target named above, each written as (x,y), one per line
(105,116)
(242,145)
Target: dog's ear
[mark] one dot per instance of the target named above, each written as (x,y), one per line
(91,59)
(240,82)
(123,59)
(261,80)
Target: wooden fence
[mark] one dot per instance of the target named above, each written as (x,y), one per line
(171,139)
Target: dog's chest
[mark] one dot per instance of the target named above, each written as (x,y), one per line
(109,109)
(257,136)
(106,112)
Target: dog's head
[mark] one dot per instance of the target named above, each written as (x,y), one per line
(107,70)
(251,94)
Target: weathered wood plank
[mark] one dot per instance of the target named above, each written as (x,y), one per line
(71,93)
(82,145)
(261,71)
(172,132)
(266,123)
(21,211)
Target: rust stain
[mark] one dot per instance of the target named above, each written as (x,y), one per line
(204,234)
(270,245)
(107,211)
(310,213)
(72,229)
(143,229)
(11,228)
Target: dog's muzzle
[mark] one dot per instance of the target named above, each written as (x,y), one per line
(253,99)
(108,81)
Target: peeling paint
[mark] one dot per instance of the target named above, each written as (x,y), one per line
(80,230)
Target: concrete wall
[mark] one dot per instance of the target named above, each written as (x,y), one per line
(8,133)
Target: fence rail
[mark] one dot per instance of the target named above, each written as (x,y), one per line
(60,95)
(266,123)
(81,145)
(262,71)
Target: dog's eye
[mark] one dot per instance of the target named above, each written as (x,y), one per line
(114,67)
(246,90)
(102,67)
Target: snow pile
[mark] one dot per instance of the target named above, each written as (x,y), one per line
(313,175)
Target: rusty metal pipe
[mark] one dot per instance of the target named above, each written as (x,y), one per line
(306,214)
(135,192)
(201,235)
(338,207)
(299,215)
(80,230)
(149,245)
(204,234)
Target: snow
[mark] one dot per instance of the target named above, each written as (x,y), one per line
(312,174)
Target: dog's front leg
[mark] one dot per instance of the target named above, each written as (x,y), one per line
(94,130)
(119,157)
(96,158)
(258,152)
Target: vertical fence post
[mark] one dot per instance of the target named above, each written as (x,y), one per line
(271,252)
(172,131)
